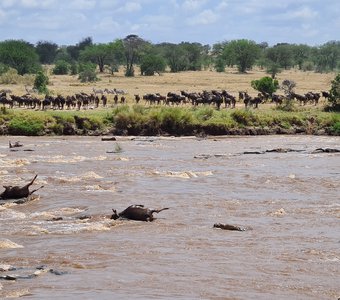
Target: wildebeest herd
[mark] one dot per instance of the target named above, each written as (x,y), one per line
(99,98)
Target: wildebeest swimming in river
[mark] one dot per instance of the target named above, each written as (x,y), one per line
(17,192)
(15,145)
(137,213)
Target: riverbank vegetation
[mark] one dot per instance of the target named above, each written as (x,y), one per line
(160,120)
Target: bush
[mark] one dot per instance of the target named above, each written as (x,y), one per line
(176,120)
(335,129)
(87,73)
(308,66)
(334,98)
(10,77)
(88,76)
(61,68)
(152,64)
(40,83)
(3,68)
(219,65)
(74,69)
(25,125)
(287,105)
(244,117)
(265,85)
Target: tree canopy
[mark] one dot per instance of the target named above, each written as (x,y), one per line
(133,50)
(19,55)
(242,53)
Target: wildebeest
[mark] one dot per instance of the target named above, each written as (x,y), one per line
(137,99)
(17,192)
(137,213)
(15,145)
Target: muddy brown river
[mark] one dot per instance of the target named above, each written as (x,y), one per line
(288,201)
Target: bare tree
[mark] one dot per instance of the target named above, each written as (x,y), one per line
(288,87)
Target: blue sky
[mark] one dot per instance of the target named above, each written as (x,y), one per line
(66,22)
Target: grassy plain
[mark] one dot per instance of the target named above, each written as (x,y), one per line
(231,80)
(142,119)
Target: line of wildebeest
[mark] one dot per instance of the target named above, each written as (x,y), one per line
(100,98)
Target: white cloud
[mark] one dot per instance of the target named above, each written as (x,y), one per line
(204,18)
(130,7)
(107,24)
(30,3)
(223,5)
(3,16)
(82,4)
(190,5)
(7,3)
(304,13)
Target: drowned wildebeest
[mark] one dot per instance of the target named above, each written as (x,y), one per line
(17,192)
(137,213)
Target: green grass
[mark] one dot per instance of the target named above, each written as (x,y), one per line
(161,120)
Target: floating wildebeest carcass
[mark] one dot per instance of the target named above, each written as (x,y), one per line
(17,192)
(137,213)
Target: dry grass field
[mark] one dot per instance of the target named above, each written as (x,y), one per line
(231,80)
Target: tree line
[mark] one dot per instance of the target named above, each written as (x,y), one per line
(86,57)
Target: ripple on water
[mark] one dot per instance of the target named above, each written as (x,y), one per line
(11,163)
(8,244)
(182,174)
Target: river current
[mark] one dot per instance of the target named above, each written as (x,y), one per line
(288,202)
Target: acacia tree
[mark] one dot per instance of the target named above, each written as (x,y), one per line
(243,53)
(47,51)
(74,51)
(98,54)
(175,57)
(301,53)
(151,60)
(116,57)
(19,55)
(280,54)
(327,56)
(132,44)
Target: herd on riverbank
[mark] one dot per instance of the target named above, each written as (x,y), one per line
(101,98)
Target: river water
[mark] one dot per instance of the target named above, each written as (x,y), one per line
(288,202)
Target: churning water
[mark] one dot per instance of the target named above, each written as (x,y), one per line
(289,201)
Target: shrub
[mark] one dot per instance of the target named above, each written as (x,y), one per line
(204,113)
(74,69)
(176,120)
(265,85)
(308,66)
(244,117)
(11,76)
(40,83)
(3,68)
(335,129)
(61,68)
(25,125)
(287,105)
(334,98)
(87,72)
